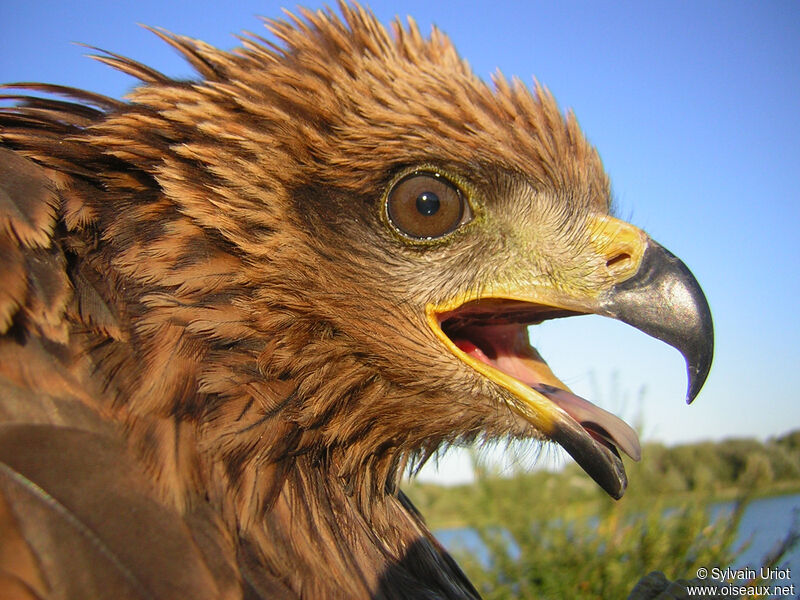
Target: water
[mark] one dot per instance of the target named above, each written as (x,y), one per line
(764,524)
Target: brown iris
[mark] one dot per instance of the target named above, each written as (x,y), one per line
(425,205)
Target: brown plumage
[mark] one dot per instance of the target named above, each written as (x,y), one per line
(222,344)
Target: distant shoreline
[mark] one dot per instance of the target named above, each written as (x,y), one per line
(709,472)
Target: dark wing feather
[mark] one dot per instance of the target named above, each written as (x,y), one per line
(78,517)
(93,308)
(85,515)
(28,201)
(12,274)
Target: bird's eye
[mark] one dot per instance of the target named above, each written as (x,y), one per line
(426,206)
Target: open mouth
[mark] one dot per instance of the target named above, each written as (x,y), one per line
(490,335)
(656,294)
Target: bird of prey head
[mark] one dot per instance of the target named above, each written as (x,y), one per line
(269,288)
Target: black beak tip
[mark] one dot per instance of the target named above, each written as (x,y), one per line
(697,370)
(699,349)
(601,461)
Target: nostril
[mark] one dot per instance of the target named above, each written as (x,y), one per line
(620,260)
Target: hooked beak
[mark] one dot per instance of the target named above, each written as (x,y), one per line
(664,300)
(646,287)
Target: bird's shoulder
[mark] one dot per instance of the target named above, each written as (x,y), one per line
(66,488)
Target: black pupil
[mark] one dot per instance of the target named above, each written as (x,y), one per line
(428,204)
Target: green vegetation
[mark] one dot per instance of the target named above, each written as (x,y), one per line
(556,535)
(602,557)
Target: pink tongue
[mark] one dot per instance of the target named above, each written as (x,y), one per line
(468,347)
(606,425)
(617,431)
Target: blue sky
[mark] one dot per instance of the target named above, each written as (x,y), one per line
(695,109)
